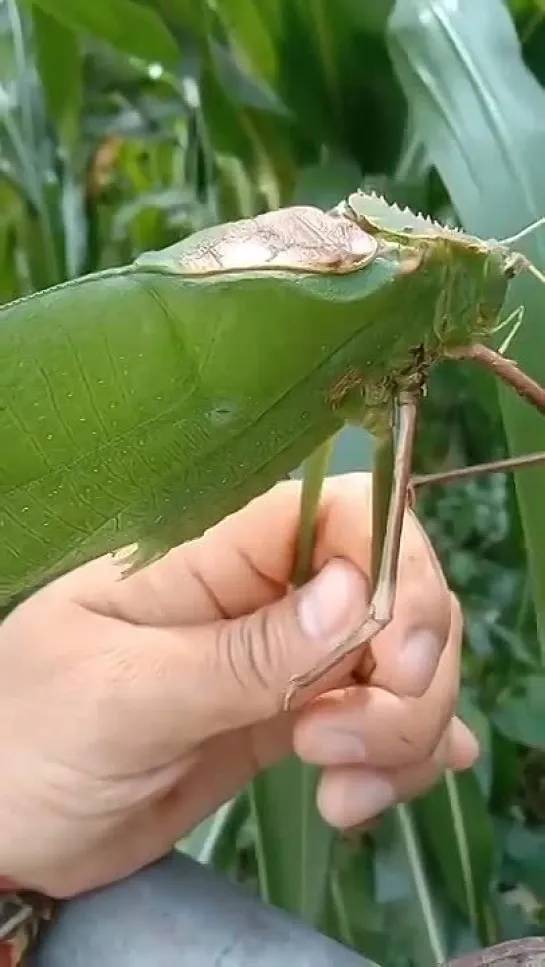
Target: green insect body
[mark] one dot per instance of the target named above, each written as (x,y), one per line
(142,404)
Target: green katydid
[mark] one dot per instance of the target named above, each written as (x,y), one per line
(141,404)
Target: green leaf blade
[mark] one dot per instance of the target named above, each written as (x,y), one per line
(59,62)
(520,713)
(481,116)
(455,826)
(294,844)
(125,24)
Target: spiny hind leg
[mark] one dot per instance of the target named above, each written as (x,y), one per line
(506,370)
(381,607)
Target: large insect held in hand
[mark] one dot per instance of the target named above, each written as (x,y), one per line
(141,404)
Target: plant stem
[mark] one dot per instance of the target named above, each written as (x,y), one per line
(315,468)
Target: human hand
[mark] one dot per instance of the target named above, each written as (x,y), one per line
(132,709)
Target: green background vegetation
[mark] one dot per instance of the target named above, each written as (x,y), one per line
(126,124)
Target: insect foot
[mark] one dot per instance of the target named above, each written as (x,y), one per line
(378,617)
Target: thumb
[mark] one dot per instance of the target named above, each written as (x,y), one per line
(250,660)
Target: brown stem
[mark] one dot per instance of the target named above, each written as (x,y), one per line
(504,369)
(494,466)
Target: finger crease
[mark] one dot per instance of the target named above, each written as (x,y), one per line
(221,611)
(277,586)
(262,634)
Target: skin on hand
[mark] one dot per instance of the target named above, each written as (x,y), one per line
(132,709)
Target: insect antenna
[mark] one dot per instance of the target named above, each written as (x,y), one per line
(519,260)
(532,227)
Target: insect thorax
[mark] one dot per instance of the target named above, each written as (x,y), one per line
(471,282)
(451,296)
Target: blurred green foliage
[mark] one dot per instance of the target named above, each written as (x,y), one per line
(126,124)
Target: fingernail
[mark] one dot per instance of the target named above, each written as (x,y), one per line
(418,658)
(333,604)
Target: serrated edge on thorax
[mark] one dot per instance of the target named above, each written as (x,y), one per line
(389,217)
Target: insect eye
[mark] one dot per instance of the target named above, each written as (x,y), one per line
(513,265)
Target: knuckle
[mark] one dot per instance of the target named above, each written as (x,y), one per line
(252,647)
(418,747)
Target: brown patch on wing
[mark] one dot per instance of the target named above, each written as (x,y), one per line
(298,238)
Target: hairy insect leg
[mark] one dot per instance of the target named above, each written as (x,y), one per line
(383,597)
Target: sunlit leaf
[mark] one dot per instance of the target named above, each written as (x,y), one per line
(59,62)
(126,24)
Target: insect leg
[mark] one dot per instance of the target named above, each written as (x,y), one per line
(383,598)
(478,469)
(516,318)
(504,369)
(524,385)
